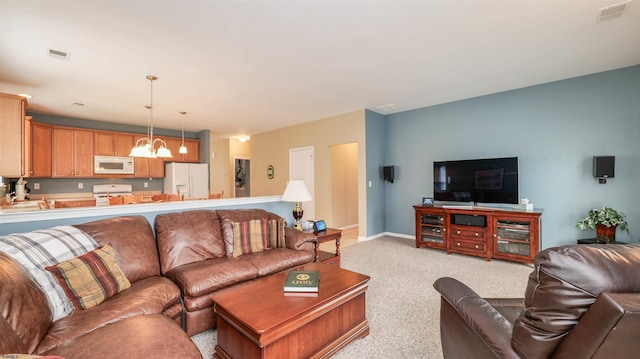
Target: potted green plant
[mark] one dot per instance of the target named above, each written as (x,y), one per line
(605,221)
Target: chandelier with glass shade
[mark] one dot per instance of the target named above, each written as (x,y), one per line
(146,146)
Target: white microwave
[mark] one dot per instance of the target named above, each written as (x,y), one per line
(110,165)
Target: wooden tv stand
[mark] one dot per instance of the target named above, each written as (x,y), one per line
(501,233)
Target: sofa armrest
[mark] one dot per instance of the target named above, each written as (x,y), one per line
(608,329)
(470,326)
(294,238)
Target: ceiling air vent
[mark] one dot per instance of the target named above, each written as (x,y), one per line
(388,108)
(61,55)
(611,11)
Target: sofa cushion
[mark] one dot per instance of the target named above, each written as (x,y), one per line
(143,336)
(39,249)
(24,309)
(200,278)
(243,215)
(564,284)
(250,237)
(187,237)
(147,296)
(277,233)
(227,235)
(133,241)
(91,278)
(277,259)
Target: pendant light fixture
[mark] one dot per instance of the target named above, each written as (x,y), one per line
(183,148)
(145,147)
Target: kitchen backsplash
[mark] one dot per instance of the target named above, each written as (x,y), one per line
(70,185)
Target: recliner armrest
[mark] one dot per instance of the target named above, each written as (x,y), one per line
(609,329)
(479,330)
(294,238)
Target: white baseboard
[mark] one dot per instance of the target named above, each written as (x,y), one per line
(400,235)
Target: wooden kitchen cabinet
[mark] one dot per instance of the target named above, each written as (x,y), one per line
(72,152)
(41,145)
(148,167)
(193,150)
(14,138)
(113,144)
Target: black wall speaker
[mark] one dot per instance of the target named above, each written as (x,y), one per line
(387,173)
(603,166)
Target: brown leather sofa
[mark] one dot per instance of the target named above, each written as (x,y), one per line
(139,322)
(195,253)
(582,301)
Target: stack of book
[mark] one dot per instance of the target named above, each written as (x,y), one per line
(302,283)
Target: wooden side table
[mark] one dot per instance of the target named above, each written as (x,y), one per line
(331,234)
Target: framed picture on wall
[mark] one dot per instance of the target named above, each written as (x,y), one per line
(427,201)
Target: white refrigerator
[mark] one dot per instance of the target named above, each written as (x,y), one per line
(190,180)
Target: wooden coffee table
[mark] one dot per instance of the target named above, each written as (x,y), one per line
(257,320)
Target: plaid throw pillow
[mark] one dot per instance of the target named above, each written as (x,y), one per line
(276,233)
(91,278)
(250,237)
(42,248)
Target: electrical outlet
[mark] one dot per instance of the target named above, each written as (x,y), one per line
(80,185)
(36,186)
(146,184)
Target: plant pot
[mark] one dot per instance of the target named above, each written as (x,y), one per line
(605,234)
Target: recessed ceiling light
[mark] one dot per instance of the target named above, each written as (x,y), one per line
(24,95)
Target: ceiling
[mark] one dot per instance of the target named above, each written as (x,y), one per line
(245,67)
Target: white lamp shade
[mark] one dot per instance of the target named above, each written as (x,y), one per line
(296,191)
(164,152)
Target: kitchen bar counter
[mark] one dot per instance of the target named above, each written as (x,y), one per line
(23,221)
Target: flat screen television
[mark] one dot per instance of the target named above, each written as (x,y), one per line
(489,180)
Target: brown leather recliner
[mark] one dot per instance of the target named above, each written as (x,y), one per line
(582,301)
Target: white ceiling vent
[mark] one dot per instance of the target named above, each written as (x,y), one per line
(60,55)
(611,11)
(388,108)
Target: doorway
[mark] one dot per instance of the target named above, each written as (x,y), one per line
(242,177)
(344,185)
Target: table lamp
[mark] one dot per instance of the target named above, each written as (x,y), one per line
(297,192)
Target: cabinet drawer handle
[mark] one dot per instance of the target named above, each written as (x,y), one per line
(476,234)
(457,232)
(458,244)
(477,246)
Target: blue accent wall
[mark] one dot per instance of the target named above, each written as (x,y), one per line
(375,147)
(555,129)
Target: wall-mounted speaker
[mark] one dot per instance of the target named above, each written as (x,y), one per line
(603,166)
(387,173)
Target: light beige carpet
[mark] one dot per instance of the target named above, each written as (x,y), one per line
(402,306)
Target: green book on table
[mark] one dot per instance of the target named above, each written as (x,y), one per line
(302,281)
